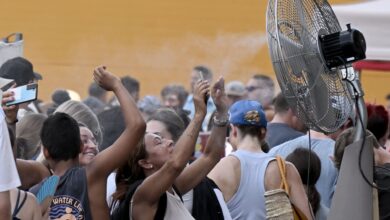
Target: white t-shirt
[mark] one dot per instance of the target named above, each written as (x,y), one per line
(9,177)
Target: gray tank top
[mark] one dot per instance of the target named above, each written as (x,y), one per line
(248,202)
(71,197)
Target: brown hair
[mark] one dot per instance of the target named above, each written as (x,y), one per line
(171,120)
(299,158)
(343,140)
(130,172)
(28,138)
(254,131)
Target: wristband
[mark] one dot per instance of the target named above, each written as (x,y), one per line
(221,121)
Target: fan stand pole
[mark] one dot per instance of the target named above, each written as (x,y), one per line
(353,198)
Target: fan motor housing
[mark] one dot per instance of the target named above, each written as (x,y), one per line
(341,48)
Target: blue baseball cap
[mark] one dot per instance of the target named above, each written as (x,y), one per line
(247,112)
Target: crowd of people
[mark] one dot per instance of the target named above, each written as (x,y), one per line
(206,153)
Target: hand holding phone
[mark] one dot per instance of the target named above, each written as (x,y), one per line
(22,94)
(207,96)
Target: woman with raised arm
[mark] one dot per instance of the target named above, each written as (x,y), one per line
(85,186)
(158,173)
(161,174)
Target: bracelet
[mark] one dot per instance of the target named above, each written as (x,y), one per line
(221,121)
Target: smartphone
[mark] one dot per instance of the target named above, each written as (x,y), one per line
(22,94)
(206,97)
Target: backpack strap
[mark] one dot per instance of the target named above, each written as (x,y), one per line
(18,206)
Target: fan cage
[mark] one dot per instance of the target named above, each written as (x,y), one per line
(317,95)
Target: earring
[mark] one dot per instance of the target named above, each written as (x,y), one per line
(151,166)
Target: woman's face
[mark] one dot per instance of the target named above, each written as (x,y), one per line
(90,149)
(158,143)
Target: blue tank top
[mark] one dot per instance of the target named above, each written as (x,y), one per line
(248,202)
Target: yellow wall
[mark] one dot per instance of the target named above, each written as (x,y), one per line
(157,42)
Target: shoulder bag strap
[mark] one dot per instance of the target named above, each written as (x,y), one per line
(282,171)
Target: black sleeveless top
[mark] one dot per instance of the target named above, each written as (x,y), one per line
(122,212)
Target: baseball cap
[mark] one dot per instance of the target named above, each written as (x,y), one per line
(235,88)
(20,70)
(247,112)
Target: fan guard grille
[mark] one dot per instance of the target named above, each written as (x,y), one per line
(318,96)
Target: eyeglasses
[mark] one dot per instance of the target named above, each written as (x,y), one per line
(252,88)
(157,138)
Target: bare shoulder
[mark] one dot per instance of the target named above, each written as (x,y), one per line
(31,208)
(226,174)
(272,176)
(226,165)
(292,172)
(31,198)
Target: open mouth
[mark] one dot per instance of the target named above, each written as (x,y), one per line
(90,153)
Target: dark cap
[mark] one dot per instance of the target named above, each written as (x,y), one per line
(19,69)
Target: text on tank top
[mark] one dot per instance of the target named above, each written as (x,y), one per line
(71,197)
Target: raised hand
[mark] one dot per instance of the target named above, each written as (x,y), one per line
(105,79)
(201,89)
(219,96)
(11,112)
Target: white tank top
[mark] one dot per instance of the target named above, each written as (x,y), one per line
(248,202)
(175,208)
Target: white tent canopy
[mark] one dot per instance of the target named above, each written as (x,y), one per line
(373,20)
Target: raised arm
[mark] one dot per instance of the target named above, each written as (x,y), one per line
(147,195)
(11,112)
(119,152)
(193,174)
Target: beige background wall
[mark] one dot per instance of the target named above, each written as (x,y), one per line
(157,42)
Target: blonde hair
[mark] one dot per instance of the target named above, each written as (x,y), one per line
(82,114)
(28,138)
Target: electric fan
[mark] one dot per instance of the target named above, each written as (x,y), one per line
(307,46)
(312,59)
